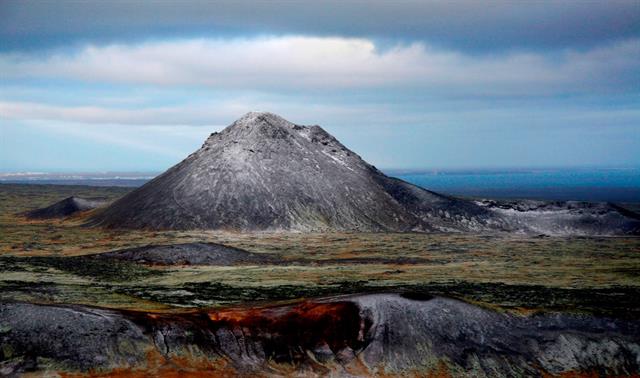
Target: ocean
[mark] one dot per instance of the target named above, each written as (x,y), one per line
(580,184)
(594,184)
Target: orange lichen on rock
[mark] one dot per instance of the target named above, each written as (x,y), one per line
(311,323)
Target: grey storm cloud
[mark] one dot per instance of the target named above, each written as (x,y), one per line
(465,25)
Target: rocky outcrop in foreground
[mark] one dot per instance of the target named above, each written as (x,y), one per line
(359,335)
(266,173)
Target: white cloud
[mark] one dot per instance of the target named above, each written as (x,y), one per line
(212,115)
(285,63)
(169,141)
(189,120)
(103,115)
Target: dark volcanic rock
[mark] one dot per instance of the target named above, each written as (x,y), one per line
(75,336)
(66,207)
(186,254)
(265,173)
(407,333)
(381,333)
(221,255)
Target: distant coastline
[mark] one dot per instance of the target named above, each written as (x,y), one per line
(126,179)
(581,184)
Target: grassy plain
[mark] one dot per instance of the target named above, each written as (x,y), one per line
(41,261)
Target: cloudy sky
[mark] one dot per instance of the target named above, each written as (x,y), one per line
(137,86)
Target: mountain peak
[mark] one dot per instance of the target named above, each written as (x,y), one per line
(255,126)
(253,119)
(264,173)
(259,115)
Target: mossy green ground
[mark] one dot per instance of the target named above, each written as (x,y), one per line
(506,271)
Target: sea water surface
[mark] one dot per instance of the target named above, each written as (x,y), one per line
(580,184)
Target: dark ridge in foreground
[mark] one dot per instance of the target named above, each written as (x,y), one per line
(186,254)
(66,207)
(264,173)
(359,334)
